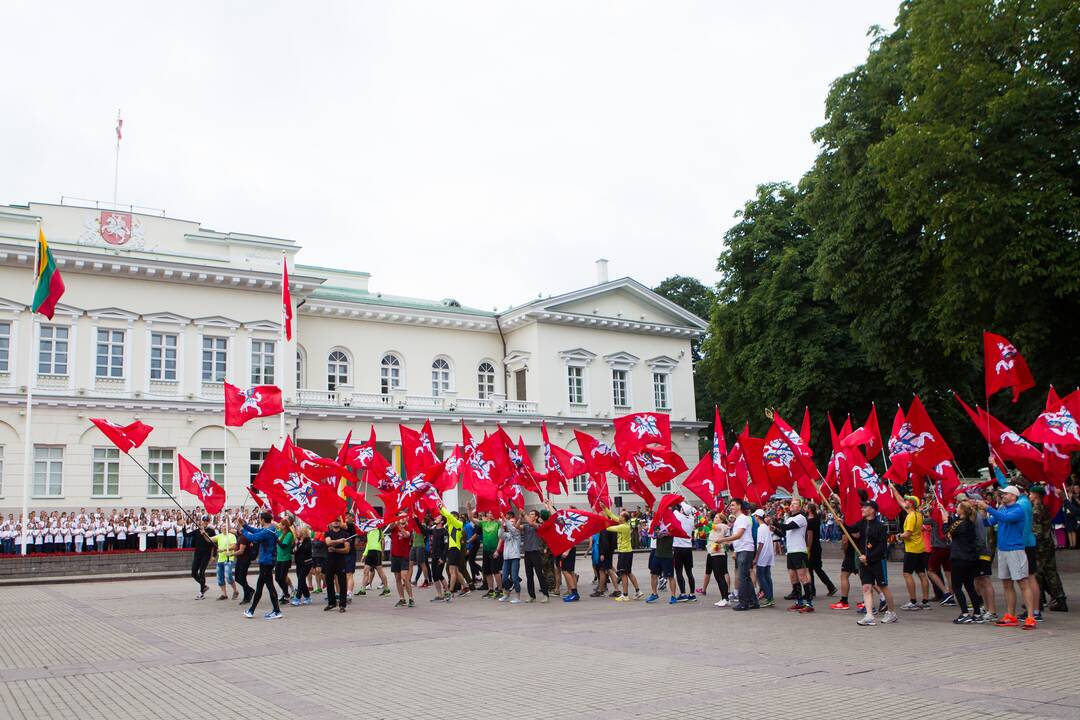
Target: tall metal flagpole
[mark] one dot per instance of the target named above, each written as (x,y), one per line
(116,166)
(281,351)
(28,445)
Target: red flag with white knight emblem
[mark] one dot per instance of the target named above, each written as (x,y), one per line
(315,503)
(418,450)
(868,436)
(1005,443)
(124,437)
(567,528)
(600,459)
(246,404)
(1057,424)
(660,466)
(1005,367)
(195,481)
(559,464)
(664,521)
(640,430)
(312,464)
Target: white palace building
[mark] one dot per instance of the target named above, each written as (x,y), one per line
(159,311)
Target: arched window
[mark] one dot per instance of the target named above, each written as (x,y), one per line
(337,370)
(485,380)
(389,373)
(300,368)
(440,377)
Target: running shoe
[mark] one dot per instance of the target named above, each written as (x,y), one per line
(516,601)
(437,598)
(691,598)
(806,609)
(866,620)
(841,605)
(796,607)
(411,603)
(673,601)
(924,605)
(572,597)
(652,598)
(306,601)
(200,596)
(385,591)
(889,617)
(962,619)
(990,617)
(1007,620)
(273,615)
(1030,624)
(329,608)
(544,598)
(979,619)
(721,603)
(399,603)
(596,593)
(768,602)
(1037,615)
(248,613)
(504,598)
(622,599)
(911,606)
(947,600)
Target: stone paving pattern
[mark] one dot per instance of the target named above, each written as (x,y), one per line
(147,649)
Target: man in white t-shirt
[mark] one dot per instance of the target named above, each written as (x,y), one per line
(742,541)
(764,557)
(794,527)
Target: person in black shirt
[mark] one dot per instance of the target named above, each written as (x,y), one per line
(204,549)
(339,544)
(302,556)
(246,552)
(439,542)
(813,546)
(873,551)
(964,557)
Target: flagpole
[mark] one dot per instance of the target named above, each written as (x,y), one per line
(156,482)
(116,166)
(28,444)
(281,351)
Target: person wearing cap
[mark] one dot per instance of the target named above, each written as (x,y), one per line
(1010,521)
(1049,582)
(1029,537)
(742,541)
(204,545)
(915,558)
(873,551)
(794,527)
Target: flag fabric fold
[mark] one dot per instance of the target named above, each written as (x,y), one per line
(242,405)
(48,286)
(124,437)
(193,480)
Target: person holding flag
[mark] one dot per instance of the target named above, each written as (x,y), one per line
(339,543)
(625,554)
(203,542)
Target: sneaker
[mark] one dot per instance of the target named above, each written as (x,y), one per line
(200,596)
(273,615)
(411,603)
(721,603)
(889,617)
(385,591)
(223,597)
(911,606)
(652,598)
(437,598)
(768,602)
(306,601)
(400,603)
(682,598)
(1030,624)
(317,591)
(622,599)
(860,607)
(979,619)
(361,592)
(328,608)
(796,607)
(544,598)
(990,617)
(572,597)
(691,598)
(638,595)
(866,620)
(806,609)
(1037,615)
(924,605)
(700,591)
(840,606)
(963,619)
(790,596)
(1007,620)
(504,598)
(248,613)
(673,601)
(341,610)
(947,600)
(516,601)
(596,593)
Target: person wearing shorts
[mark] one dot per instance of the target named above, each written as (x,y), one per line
(400,545)
(662,565)
(915,560)
(373,562)
(624,552)
(439,537)
(349,561)
(794,527)
(490,564)
(1013,568)
(874,542)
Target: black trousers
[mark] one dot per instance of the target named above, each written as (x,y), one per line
(198,569)
(302,570)
(240,573)
(684,563)
(335,574)
(281,574)
(817,569)
(266,580)
(475,571)
(963,578)
(534,565)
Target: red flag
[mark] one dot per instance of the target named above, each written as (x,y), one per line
(876,487)
(804,431)
(495,448)
(921,440)
(255,496)
(627,470)
(636,431)
(868,436)
(419,486)
(559,464)
(467,442)
(787,459)
(312,464)
(1005,368)
(418,449)
(315,503)
(664,520)
(478,477)
(125,437)
(701,482)
(343,452)
(660,466)
(1057,424)
(528,477)
(286,298)
(250,403)
(946,481)
(599,457)
(753,453)
(596,489)
(567,528)
(738,473)
(1005,443)
(195,481)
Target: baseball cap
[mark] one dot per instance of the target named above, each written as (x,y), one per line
(759,513)
(871,504)
(1012,490)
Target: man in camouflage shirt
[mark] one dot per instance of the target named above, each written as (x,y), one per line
(1046,563)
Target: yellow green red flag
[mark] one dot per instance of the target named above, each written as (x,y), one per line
(50,286)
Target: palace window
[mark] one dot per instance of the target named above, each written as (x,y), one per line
(660,391)
(575,377)
(110,353)
(105,475)
(163,350)
(262,362)
(440,377)
(620,388)
(337,370)
(53,350)
(485,380)
(389,373)
(48,471)
(215,357)
(162,467)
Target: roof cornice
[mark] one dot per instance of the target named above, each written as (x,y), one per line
(397,316)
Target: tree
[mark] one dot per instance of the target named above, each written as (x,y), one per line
(771,342)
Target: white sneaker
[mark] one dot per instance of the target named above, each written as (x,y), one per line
(248,613)
(515,601)
(910,606)
(866,620)
(200,596)
(544,598)
(722,603)
(888,617)
(504,598)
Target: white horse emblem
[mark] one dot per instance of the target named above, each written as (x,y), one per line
(778,454)
(1008,358)
(643,425)
(251,398)
(908,441)
(651,463)
(1062,424)
(299,490)
(204,482)
(569,523)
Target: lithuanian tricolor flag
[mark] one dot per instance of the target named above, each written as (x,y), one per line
(50,286)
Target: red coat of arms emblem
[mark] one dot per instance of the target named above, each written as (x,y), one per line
(114,227)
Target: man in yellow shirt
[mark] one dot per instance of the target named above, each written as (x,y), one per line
(914,554)
(624,551)
(226,552)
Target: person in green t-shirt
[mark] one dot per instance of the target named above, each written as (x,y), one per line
(489,534)
(226,549)
(285,542)
(373,550)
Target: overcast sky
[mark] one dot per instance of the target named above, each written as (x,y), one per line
(486,151)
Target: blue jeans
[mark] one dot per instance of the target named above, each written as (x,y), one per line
(224,573)
(764,580)
(743,562)
(510,574)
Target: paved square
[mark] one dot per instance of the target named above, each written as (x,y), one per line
(147,649)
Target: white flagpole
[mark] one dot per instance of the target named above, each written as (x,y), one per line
(116,167)
(28,444)
(281,351)
(225,457)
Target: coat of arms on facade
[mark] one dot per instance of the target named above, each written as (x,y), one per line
(115,228)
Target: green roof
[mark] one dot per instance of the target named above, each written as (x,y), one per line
(344,294)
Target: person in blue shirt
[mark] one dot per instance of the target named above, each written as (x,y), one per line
(1029,535)
(1010,520)
(266,540)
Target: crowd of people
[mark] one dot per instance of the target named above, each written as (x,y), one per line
(948,558)
(97,531)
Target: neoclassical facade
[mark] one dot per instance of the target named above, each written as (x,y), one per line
(159,312)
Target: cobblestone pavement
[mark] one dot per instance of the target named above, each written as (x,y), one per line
(147,649)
